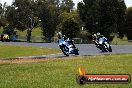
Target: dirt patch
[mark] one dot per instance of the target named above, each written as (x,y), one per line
(19,61)
(26,60)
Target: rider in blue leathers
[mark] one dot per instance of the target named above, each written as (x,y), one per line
(60,36)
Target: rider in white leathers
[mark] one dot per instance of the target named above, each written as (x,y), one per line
(101,36)
(96,39)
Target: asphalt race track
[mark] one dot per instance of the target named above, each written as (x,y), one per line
(84,49)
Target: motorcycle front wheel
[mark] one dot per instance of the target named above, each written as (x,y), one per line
(64,51)
(76,52)
(110,49)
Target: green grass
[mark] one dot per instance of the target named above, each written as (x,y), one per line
(61,73)
(1,30)
(9,51)
(35,32)
(35,37)
(118,41)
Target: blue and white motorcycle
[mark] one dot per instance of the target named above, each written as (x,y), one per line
(67,47)
(104,45)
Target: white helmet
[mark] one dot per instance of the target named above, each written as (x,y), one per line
(98,34)
(59,34)
(94,35)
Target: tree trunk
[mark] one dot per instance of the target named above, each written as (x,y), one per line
(48,39)
(29,31)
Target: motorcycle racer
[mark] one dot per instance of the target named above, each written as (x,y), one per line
(102,42)
(60,36)
(101,36)
(66,45)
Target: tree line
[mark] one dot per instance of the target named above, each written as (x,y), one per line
(105,16)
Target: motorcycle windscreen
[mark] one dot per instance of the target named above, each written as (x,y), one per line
(101,40)
(61,41)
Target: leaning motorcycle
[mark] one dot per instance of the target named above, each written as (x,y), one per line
(67,47)
(104,45)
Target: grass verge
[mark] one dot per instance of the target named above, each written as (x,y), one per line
(118,41)
(35,32)
(9,51)
(61,73)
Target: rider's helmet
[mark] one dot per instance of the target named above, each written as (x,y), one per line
(94,35)
(98,34)
(59,34)
(6,36)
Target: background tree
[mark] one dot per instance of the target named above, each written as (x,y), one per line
(67,14)
(20,15)
(66,5)
(103,16)
(89,12)
(7,28)
(70,28)
(69,24)
(3,21)
(121,18)
(128,24)
(112,16)
(48,13)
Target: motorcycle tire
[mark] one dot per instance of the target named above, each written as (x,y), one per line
(102,48)
(76,52)
(63,50)
(110,49)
